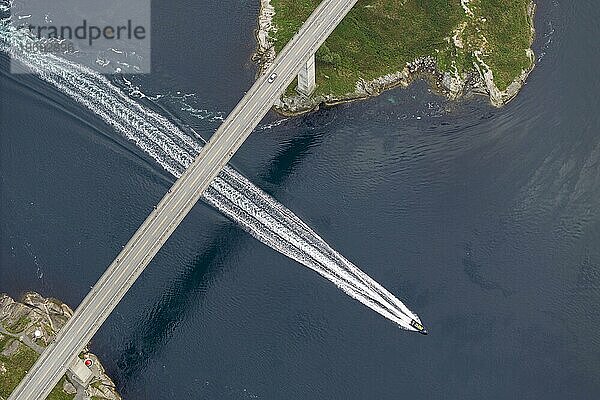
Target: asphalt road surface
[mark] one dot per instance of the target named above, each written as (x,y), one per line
(176,204)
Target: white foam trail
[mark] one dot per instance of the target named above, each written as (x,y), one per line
(231,193)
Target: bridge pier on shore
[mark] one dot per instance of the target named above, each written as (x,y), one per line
(306,78)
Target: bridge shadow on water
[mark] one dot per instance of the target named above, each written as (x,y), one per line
(307,133)
(188,289)
(157,325)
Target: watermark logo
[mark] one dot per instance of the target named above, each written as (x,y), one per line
(110,36)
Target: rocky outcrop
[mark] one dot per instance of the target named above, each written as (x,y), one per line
(450,84)
(501,97)
(443,83)
(265,50)
(34,323)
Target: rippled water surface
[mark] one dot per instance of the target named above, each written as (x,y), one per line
(487,222)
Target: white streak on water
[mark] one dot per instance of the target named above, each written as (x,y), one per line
(232,194)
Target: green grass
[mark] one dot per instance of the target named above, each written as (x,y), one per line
(379,37)
(4,341)
(58,394)
(96,384)
(19,325)
(17,366)
(508,32)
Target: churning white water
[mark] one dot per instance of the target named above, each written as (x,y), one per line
(231,193)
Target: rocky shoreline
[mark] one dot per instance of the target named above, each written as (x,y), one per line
(480,81)
(27,327)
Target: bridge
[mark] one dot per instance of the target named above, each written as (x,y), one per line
(295,59)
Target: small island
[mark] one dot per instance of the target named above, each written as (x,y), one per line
(461,47)
(26,328)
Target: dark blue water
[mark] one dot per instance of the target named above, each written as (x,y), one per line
(487,222)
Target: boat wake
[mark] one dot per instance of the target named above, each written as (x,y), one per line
(230,193)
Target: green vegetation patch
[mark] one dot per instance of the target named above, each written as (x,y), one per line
(19,325)
(378,37)
(508,32)
(17,365)
(58,393)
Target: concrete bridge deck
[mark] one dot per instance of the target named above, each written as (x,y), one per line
(176,204)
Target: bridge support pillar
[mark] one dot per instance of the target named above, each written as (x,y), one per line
(306,78)
(80,373)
